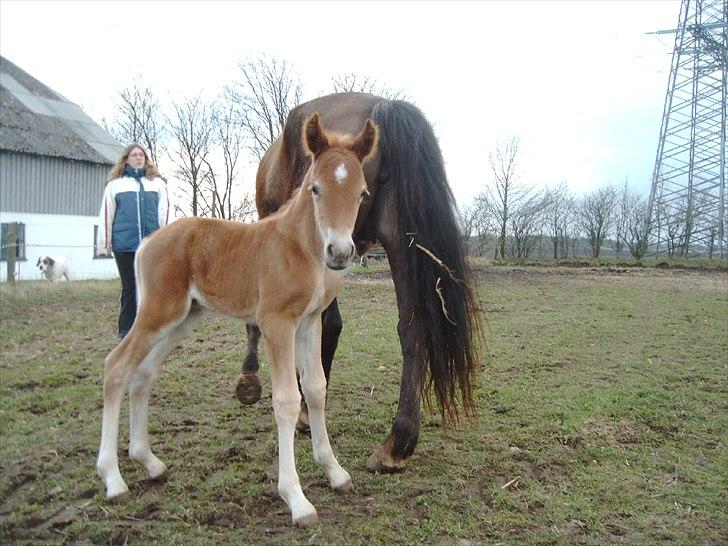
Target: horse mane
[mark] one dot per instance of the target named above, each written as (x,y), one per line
(298,159)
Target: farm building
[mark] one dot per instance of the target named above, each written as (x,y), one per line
(53,165)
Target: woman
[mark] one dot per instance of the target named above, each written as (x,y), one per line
(135,204)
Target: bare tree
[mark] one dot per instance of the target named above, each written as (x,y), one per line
(466,219)
(353,82)
(192,131)
(574,240)
(226,137)
(621,217)
(658,220)
(526,217)
(507,192)
(558,208)
(679,220)
(350,81)
(638,227)
(597,212)
(138,118)
(712,240)
(675,228)
(245,210)
(477,224)
(689,214)
(267,92)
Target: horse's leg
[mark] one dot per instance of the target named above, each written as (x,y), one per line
(401,442)
(154,322)
(120,366)
(313,383)
(248,387)
(331,330)
(331,325)
(140,389)
(279,337)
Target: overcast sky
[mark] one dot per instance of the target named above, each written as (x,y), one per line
(580,84)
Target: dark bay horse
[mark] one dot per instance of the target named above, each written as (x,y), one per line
(411,212)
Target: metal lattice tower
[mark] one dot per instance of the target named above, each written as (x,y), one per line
(687,199)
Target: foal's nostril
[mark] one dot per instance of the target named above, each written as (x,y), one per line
(330,250)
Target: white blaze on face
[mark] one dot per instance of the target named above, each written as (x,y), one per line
(341,173)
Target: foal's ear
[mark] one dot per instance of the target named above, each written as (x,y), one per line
(314,136)
(366,142)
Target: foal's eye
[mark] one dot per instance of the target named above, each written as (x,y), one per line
(315,190)
(365,194)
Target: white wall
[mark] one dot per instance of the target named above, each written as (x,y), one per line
(58,235)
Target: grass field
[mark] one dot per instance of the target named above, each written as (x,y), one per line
(604,392)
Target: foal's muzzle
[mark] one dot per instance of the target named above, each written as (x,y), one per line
(338,255)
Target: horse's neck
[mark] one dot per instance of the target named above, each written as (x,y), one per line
(298,222)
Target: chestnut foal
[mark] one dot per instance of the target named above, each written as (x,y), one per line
(279,273)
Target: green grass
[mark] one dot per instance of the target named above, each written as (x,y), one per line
(604,391)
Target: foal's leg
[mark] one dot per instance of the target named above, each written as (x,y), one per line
(248,387)
(120,366)
(279,342)
(155,320)
(313,383)
(330,332)
(139,390)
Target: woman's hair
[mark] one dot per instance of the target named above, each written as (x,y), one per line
(118,169)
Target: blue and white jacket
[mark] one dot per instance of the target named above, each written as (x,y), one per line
(131,210)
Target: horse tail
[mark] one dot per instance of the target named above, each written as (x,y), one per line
(446,321)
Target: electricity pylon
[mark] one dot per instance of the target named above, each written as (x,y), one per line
(687,199)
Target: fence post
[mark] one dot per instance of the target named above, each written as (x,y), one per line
(11,247)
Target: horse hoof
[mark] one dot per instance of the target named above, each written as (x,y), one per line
(248,389)
(157,470)
(118,499)
(118,496)
(382,462)
(303,424)
(344,487)
(304,521)
(158,478)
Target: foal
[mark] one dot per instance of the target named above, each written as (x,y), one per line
(279,273)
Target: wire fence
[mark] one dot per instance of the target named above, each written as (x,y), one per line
(14,249)
(43,245)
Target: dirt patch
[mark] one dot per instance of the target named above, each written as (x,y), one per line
(18,480)
(618,433)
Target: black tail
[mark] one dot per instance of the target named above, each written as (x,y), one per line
(446,321)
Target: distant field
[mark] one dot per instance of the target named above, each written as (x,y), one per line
(603,391)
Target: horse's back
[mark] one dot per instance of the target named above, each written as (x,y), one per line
(285,163)
(341,112)
(188,245)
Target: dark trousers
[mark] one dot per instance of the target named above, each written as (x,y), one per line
(127,301)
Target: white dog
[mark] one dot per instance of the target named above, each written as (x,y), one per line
(53,268)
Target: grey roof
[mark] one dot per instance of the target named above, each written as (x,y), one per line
(35,119)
